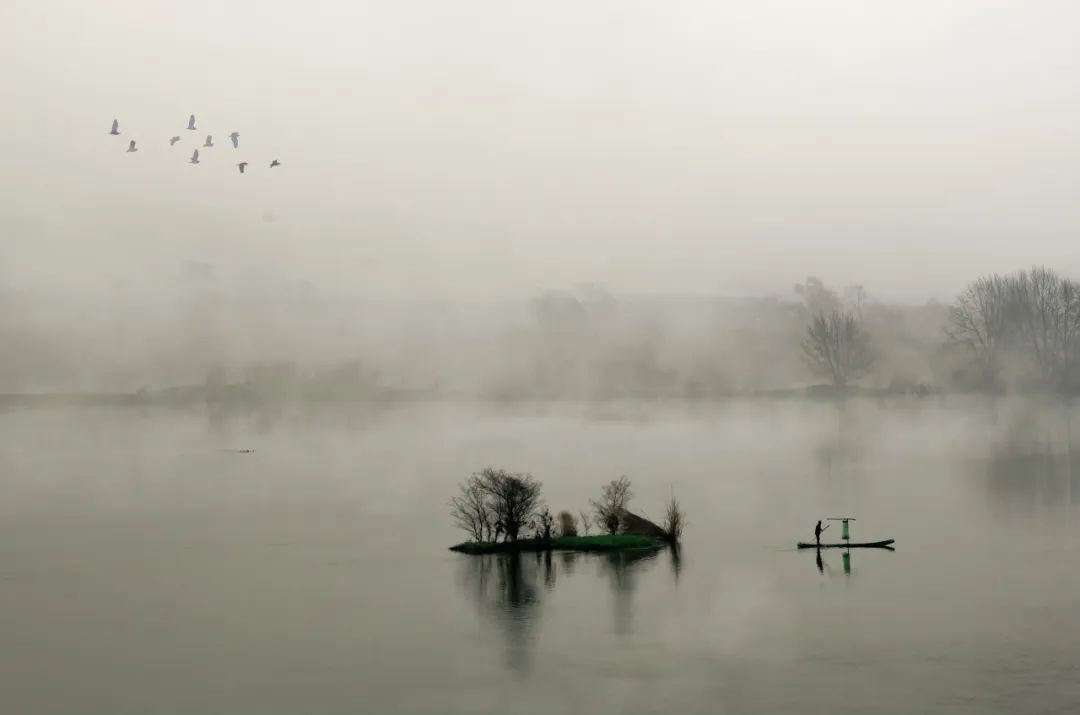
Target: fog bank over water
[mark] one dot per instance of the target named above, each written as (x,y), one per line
(477,156)
(194,325)
(493,150)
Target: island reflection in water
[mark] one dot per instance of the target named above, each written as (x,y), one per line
(509,589)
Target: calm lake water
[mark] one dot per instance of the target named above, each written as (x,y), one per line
(145,570)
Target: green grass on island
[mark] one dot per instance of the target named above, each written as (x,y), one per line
(603,542)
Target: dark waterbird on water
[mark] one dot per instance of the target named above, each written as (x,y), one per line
(209,140)
(195,157)
(173,140)
(115,127)
(274,163)
(242,165)
(191,123)
(131,146)
(235,136)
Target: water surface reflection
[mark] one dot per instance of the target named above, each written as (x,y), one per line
(622,569)
(504,588)
(509,589)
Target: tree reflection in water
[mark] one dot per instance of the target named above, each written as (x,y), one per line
(503,586)
(567,561)
(1031,466)
(506,588)
(622,569)
(675,558)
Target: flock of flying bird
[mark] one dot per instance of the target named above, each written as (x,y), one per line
(235,137)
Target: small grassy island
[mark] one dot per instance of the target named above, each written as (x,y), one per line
(602,542)
(494,503)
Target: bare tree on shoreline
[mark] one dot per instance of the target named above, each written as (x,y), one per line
(979,320)
(836,345)
(1032,317)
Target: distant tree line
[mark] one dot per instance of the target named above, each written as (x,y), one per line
(1023,327)
(1020,329)
(1003,331)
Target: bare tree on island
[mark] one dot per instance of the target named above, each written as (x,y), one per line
(496,501)
(835,345)
(609,509)
(544,525)
(567,524)
(586,522)
(513,498)
(674,521)
(471,512)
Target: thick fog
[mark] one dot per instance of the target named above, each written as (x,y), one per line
(446,166)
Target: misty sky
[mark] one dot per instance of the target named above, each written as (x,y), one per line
(494,148)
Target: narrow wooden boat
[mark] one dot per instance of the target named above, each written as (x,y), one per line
(886,544)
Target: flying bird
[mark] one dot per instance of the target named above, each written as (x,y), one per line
(191,122)
(115,127)
(195,157)
(209,140)
(173,140)
(274,163)
(242,165)
(235,136)
(131,146)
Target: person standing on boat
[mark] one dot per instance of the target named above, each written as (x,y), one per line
(817,532)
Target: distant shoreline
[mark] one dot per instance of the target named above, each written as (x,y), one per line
(241,396)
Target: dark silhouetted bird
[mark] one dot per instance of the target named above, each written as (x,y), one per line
(195,157)
(209,141)
(131,146)
(191,123)
(274,163)
(242,165)
(235,136)
(115,127)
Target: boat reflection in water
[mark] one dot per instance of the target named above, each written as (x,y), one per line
(846,556)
